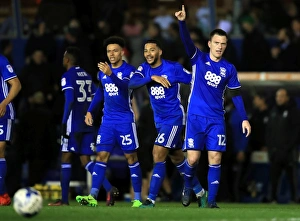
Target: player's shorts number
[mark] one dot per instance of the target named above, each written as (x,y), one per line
(1,129)
(126,140)
(222,140)
(160,138)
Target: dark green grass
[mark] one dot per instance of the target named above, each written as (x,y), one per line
(162,212)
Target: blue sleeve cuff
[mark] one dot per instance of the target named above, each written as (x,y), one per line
(239,105)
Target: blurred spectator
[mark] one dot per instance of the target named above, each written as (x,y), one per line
(230,53)
(197,35)
(41,39)
(282,140)
(36,139)
(202,15)
(255,48)
(285,54)
(295,25)
(259,119)
(102,31)
(74,36)
(36,76)
(132,31)
(56,14)
(236,157)
(133,25)
(111,12)
(271,16)
(6,47)
(178,51)
(164,19)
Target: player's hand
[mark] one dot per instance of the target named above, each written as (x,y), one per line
(181,15)
(63,131)
(64,137)
(2,109)
(105,68)
(88,119)
(163,81)
(246,128)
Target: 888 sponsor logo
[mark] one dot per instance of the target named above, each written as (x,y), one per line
(212,79)
(111,89)
(158,92)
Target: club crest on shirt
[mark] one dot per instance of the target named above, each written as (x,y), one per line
(222,72)
(190,143)
(9,68)
(63,82)
(140,68)
(165,76)
(119,75)
(131,74)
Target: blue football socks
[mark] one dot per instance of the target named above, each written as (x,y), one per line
(65,177)
(214,175)
(106,184)
(136,180)
(3,170)
(158,175)
(98,176)
(189,175)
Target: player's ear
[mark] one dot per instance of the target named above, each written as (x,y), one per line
(160,52)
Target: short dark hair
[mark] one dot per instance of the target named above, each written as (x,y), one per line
(218,31)
(114,40)
(154,41)
(73,54)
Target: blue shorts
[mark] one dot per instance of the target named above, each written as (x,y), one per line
(169,136)
(5,129)
(203,132)
(117,135)
(79,143)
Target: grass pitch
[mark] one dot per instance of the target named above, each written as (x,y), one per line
(122,211)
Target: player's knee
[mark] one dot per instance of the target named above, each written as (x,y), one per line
(66,157)
(131,158)
(159,153)
(192,160)
(102,156)
(214,158)
(177,157)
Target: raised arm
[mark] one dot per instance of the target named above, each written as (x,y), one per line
(184,33)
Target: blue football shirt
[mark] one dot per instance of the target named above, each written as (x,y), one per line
(6,73)
(209,81)
(116,94)
(165,102)
(81,83)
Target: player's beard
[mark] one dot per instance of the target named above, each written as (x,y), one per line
(154,62)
